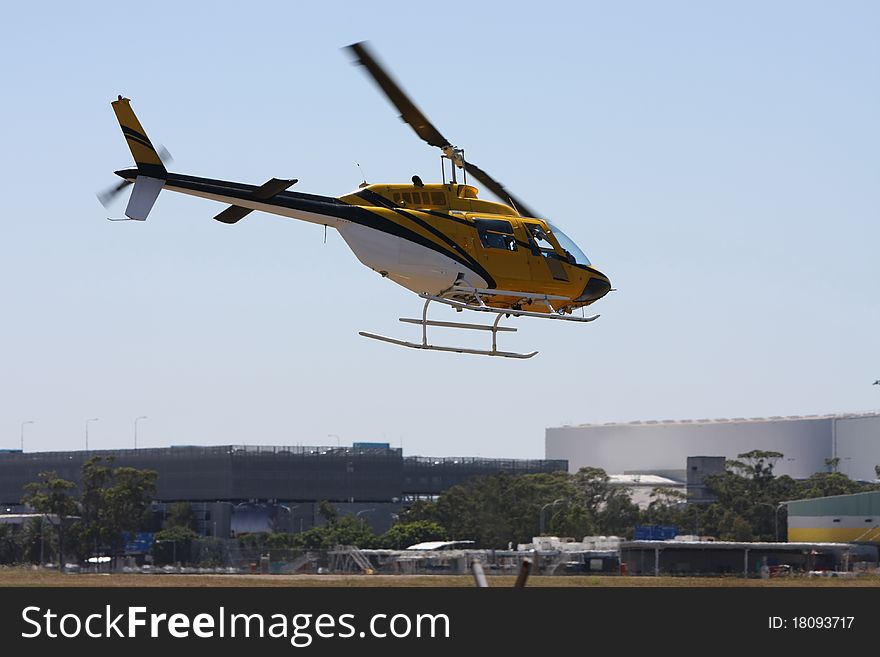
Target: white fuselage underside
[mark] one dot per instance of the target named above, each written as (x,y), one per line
(411,265)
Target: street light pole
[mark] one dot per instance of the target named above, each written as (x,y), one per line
(541,519)
(140,417)
(22,432)
(91,419)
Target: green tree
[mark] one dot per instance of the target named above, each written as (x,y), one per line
(179,514)
(832,464)
(825,484)
(327,511)
(52,497)
(344,530)
(173,544)
(115,501)
(403,534)
(573,520)
(9,548)
(665,508)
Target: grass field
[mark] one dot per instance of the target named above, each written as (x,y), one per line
(25,577)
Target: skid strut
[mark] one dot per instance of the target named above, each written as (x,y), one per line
(478,305)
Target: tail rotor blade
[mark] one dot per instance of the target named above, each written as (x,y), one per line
(164,155)
(107,196)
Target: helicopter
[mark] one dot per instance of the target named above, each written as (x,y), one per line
(438,240)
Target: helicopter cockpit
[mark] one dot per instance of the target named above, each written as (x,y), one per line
(568,244)
(542,245)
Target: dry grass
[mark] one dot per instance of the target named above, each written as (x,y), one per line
(26,577)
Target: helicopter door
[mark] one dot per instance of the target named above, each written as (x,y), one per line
(498,250)
(541,246)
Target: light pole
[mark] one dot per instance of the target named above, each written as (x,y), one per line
(140,417)
(290,510)
(775,516)
(358,514)
(22,432)
(91,419)
(553,503)
(333,435)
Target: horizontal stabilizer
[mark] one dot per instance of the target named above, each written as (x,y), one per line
(143,196)
(264,192)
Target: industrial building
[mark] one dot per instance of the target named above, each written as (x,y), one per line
(852,518)
(242,488)
(662,447)
(691,557)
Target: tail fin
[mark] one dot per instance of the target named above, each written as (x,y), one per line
(148,161)
(151,172)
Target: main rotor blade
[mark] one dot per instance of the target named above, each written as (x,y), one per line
(408,111)
(424,128)
(498,189)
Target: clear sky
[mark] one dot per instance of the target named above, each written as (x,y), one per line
(719,161)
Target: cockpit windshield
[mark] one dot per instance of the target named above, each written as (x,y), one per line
(568,244)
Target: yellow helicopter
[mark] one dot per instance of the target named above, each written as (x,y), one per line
(439,240)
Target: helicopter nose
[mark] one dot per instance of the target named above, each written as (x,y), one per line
(597,287)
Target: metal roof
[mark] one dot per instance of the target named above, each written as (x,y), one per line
(724,420)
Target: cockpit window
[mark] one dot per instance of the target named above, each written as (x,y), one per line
(570,247)
(495,234)
(539,239)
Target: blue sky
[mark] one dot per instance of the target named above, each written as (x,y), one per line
(720,161)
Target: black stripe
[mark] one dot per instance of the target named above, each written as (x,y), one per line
(450,217)
(376,199)
(326,205)
(136,135)
(456,249)
(379,200)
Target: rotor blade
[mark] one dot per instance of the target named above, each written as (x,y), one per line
(424,128)
(498,189)
(108,195)
(408,111)
(164,155)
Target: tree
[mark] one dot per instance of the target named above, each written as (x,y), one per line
(52,497)
(173,544)
(179,514)
(9,548)
(327,511)
(404,534)
(665,508)
(757,464)
(345,530)
(825,484)
(115,501)
(832,464)
(572,520)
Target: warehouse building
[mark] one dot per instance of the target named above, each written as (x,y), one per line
(239,488)
(851,518)
(662,447)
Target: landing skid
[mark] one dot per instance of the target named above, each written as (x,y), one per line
(473,300)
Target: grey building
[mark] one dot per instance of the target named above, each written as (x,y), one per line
(655,446)
(235,488)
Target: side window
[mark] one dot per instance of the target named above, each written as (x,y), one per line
(495,234)
(538,241)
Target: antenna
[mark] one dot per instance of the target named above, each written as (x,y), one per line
(363,184)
